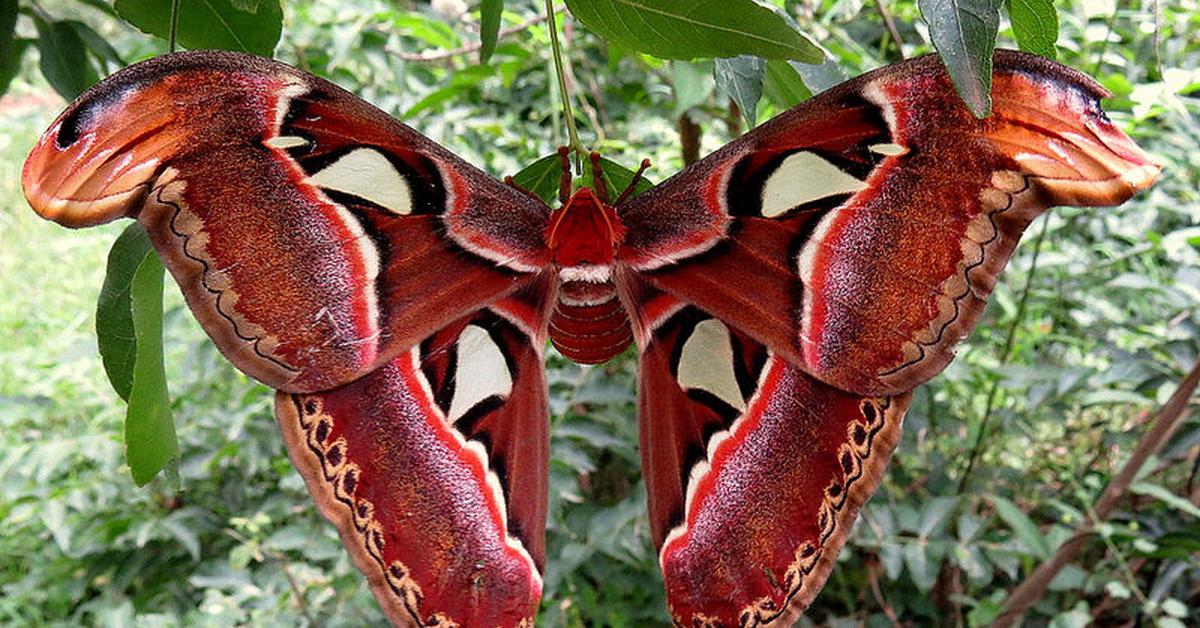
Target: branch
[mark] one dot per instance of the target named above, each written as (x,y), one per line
(442,55)
(1165,422)
(890,24)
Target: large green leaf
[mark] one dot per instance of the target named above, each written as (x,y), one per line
(964,33)
(64,59)
(671,29)
(225,24)
(1035,25)
(114,309)
(129,330)
(150,441)
(489,27)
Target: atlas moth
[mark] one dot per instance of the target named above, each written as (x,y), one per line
(785,293)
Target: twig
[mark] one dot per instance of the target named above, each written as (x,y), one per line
(890,24)
(689,139)
(877,591)
(442,55)
(300,600)
(1165,423)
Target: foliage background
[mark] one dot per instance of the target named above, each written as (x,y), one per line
(229,536)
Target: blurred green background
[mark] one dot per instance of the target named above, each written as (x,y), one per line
(230,537)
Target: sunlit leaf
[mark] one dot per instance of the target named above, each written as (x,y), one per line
(223,24)
(688,30)
(1035,25)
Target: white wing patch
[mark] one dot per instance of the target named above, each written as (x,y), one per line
(367,174)
(286,141)
(802,178)
(706,363)
(481,372)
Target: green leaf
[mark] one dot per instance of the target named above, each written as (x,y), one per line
(964,33)
(225,24)
(742,78)
(10,46)
(64,58)
(784,86)
(150,441)
(541,177)
(687,30)
(489,27)
(1165,496)
(619,177)
(1022,526)
(692,83)
(1035,25)
(114,309)
(98,45)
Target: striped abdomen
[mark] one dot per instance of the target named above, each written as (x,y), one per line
(589,324)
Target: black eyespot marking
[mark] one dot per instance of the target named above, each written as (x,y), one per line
(334,455)
(869,412)
(847,462)
(860,435)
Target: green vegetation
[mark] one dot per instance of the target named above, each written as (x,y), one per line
(1003,456)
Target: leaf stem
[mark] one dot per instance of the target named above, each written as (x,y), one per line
(994,387)
(174,25)
(573,142)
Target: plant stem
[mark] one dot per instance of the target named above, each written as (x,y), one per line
(890,24)
(556,51)
(174,25)
(994,388)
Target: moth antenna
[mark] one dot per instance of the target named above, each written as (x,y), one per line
(637,177)
(564,184)
(508,180)
(598,180)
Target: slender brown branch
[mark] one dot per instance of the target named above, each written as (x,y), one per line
(689,139)
(1166,421)
(877,591)
(442,55)
(890,24)
(301,601)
